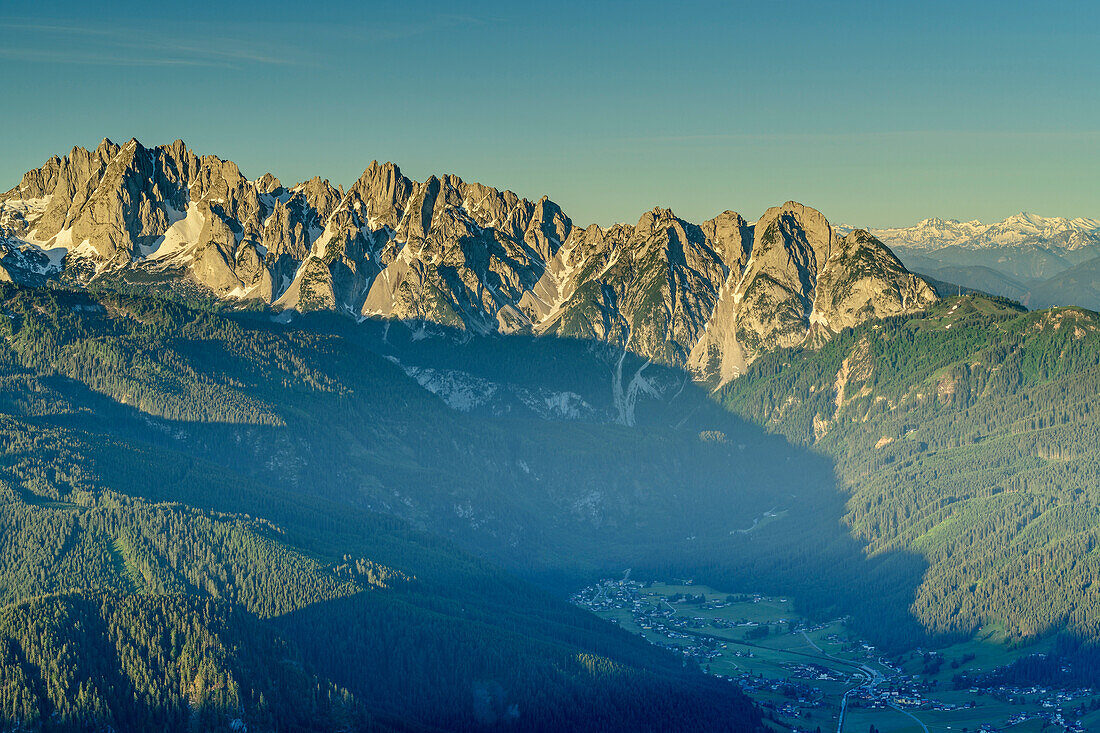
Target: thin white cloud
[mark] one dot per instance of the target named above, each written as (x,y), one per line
(119,47)
(828,136)
(426,25)
(51,28)
(62,57)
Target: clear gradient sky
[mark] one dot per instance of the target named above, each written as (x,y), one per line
(877,113)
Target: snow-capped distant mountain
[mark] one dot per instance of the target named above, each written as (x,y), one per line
(1019,230)
(1025,257)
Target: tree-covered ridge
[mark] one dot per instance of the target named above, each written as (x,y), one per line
(116,542)
(103,660)
(122,347)
(174,580)
(967,437)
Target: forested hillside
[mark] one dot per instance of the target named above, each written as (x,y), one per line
(143,662)
(182,547)
(967,438)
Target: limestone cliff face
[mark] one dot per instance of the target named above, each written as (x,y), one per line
(800,285)
(465,256)
(769,303)
(446,254)
(862,280)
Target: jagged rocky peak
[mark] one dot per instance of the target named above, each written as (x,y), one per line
(39,182)
(122,203)
(321,196)
(121,208)
(488,206)
(384,192)
(441,252)
(268,184)
(802,233)
(548,229)
(111,202)
(769,304)
(69,187)
(346,240)
(445,252)
(425,207)
(731,236)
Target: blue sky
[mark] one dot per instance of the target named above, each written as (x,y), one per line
(876,113)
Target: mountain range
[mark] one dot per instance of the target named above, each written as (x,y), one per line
(1018,230)
(446,253)
(1038,261)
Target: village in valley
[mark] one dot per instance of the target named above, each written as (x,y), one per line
(810,676)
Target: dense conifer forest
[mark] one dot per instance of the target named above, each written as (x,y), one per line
(967,438)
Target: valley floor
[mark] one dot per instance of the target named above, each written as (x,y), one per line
(809,676)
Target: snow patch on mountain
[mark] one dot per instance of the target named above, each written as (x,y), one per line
(556,405)
(460,390)
(466,392)
(184,231)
